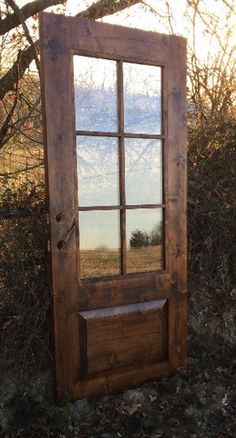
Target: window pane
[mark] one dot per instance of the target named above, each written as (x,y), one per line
(95,94)
(143,171)
(144,240)
(142,98)
(99,243)
(98,171)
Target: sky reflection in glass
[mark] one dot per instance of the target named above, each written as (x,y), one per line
(98,177)
(142,98)
(95,94)
(143,171)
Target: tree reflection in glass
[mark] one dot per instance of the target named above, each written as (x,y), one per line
(95,94)
(143,171)
(142,98)
(98,171)
(144,228)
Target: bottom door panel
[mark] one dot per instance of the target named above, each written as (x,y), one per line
(116,338)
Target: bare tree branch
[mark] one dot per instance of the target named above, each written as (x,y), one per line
(19,123)
(27,11)
(103,8)
(16,172)
(16,72)
(21,17)
(97,10)
(5,126)
(169,17)
(231,6)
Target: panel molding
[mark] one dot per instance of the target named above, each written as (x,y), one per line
(116,337)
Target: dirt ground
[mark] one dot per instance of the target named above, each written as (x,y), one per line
(199,401)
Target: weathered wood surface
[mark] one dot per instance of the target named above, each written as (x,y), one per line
(125,335)
(99,324)
(57,92)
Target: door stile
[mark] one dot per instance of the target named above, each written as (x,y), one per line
(60,158)
(176,165)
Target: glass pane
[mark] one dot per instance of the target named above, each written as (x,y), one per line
(98,171)
(142,98)
(144,240)
(99,243)
(143,171)
(95,94)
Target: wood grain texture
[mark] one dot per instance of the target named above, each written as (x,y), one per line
(100,324)
(125,335)
(84,36)
(116,382)
(61,183)
(121,207)
(118,134)
(176,201)
(130,289)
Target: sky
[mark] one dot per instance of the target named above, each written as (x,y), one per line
(142,18)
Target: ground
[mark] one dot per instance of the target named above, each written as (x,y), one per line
(199,401)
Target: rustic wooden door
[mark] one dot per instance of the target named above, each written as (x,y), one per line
(115,147)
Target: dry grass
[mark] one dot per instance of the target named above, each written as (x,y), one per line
(144,259)
(95,263)
(107,262)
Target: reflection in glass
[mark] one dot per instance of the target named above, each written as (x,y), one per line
(95,94)
(142,98)
(99,243)
(143,171)
(144,240)
(98,174)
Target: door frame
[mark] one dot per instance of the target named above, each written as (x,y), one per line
(60,38)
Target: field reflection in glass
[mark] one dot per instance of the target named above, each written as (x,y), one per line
(99,243)
(144,240)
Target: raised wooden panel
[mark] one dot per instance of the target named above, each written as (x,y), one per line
(122,336)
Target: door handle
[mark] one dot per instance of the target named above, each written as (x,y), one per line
(61,244)
(70,232)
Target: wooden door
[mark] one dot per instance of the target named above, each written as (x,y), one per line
(115,147)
